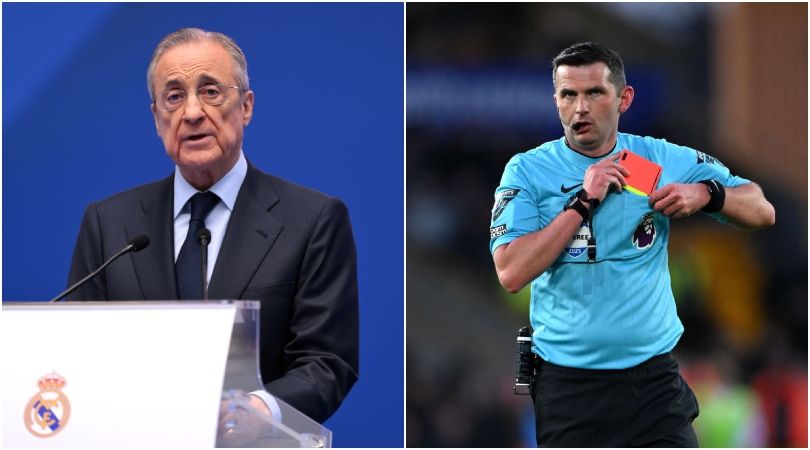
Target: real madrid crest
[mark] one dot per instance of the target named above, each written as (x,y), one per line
(49,410)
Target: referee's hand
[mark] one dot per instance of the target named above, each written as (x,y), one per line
(601,176)
(678,200)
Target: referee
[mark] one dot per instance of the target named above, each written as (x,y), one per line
(602,309)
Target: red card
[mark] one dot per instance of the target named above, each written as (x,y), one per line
(644,174)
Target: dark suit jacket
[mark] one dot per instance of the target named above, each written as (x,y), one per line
(287,246)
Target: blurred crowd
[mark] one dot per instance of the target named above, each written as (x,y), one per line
(479,91)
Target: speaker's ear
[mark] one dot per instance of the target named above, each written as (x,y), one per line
(626,99)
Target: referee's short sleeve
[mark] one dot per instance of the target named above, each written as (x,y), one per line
(515,211)
(687,165)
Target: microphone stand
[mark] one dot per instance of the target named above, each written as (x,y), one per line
(204,237)
(136,245)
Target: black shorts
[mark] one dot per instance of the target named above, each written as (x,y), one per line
(649,405)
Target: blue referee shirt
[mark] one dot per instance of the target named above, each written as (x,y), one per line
(619,311)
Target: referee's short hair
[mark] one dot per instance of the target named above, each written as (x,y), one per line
(586,53)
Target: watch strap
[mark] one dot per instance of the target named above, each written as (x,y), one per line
(580,207)
(583,196)
(717,196)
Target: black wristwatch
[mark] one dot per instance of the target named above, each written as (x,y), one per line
(577,202)
(717,196)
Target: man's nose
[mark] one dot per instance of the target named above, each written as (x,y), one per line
(582,106)
(193,111)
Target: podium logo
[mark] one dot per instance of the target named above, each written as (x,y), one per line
(48,411)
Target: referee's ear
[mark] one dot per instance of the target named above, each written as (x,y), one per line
(626,97)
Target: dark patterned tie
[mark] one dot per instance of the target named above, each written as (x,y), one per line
(189,262)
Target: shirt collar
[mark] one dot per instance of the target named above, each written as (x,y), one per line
(585,160)
(226,188)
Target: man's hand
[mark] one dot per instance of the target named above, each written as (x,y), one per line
(242,419)
(602,175)
(256,402)
(679,200)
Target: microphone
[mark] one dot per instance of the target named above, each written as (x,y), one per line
(135,245)
(204,236)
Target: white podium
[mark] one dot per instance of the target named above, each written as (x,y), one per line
(139,374)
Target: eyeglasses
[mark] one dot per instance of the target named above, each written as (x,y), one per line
(173,99)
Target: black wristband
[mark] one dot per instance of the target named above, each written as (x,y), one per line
(581,209)
(717,192)
(583,195)
(577,204)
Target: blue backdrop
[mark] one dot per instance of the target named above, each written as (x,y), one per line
(328,80)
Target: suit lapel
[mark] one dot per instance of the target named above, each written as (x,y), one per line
(250,235)
(154,265)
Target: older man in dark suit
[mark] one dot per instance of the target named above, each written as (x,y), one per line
(285,245)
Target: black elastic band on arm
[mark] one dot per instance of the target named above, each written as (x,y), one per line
(717,192)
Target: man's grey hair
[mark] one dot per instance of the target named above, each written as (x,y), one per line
(188,35)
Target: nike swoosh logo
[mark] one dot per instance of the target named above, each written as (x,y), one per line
(566,190)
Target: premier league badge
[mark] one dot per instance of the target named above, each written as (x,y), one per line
(644,234)
(49,410)
(501,200)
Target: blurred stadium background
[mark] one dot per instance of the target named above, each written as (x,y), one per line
(727,79)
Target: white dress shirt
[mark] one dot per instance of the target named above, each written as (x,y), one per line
(226,189)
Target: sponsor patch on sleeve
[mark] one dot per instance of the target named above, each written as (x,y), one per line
(501,200)
(708,159)
(498,231)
